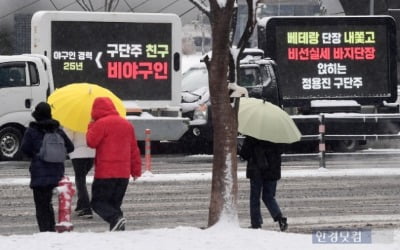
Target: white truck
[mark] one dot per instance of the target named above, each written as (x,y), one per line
(25,80)
(135,55)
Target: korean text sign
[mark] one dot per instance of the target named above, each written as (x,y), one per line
(333,57)
(132,59)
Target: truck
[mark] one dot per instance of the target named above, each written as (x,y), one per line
(336,71)
(257,76)
(25,80)
(135,55)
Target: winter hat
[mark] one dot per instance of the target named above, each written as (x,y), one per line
(42,112)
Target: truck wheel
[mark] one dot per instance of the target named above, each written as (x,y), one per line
(10,142)
(345,146)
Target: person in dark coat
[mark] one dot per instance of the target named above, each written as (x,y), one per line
(44,175)
(117,159)
(264,170)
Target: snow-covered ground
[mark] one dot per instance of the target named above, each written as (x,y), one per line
(223,236)
(298,173)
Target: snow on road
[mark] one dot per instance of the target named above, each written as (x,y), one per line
(298,173)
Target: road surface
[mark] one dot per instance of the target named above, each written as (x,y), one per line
(309,202)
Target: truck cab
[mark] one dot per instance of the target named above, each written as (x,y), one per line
(25,80)
(257,75)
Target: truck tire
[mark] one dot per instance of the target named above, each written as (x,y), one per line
(10,142)
(345,146)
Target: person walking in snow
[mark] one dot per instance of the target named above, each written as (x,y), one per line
(264,170)
(44,175)
(117,158)
(82,159)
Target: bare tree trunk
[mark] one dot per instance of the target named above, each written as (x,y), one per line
(224,176)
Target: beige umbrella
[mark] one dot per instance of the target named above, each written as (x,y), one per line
(265,121)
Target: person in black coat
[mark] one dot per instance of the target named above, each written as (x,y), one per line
(264,170)
(44,175)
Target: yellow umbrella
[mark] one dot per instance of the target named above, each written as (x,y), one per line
(72,104)
(266,121)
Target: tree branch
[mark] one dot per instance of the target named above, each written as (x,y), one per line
(116,2)
(106,5)
(250,24)
(202,7)
(91,5)
(129,6)
(234,24)
(84,5)
(55,7)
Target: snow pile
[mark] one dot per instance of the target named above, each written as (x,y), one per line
(206,176)
(223,236)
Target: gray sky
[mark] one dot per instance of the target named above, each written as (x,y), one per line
(183,8)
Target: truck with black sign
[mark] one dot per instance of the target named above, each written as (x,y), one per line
(336,71)
(135,55)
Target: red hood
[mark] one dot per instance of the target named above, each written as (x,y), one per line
(103,106)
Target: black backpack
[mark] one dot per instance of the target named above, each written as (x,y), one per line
(53,148)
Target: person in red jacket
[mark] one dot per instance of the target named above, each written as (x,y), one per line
(117,159)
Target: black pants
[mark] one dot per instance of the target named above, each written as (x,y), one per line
(107,196)
(44,208)
(266,190)
(82,166)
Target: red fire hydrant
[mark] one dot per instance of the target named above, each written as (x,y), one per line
(65,193)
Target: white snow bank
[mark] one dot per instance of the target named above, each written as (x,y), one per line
(220,237)
(317,173)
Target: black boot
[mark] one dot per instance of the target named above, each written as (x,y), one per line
(282,221)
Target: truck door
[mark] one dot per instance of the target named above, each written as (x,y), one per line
(250,79)
(15,92)
(39,81)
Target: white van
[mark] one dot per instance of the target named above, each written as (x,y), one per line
(25,80)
